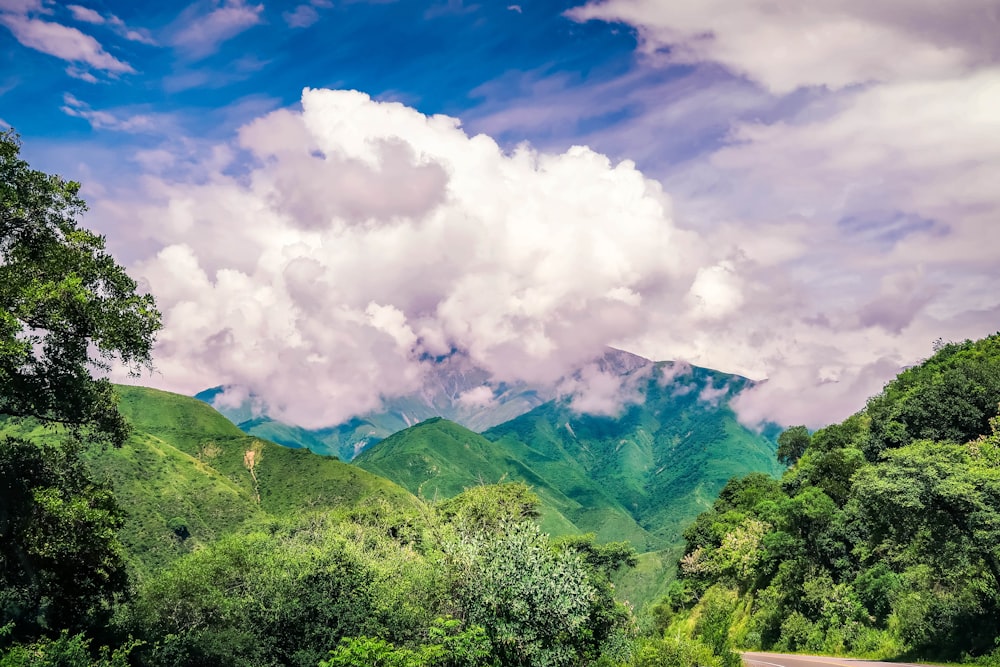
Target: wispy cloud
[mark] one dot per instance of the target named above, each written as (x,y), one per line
(81,74)
(833,43)
(106,120)
(63,42)
(199,35)
(87,15)
(23,6)
(302,17)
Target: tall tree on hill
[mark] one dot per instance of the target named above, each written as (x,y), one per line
(66,309)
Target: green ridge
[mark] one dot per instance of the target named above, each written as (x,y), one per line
(182,476)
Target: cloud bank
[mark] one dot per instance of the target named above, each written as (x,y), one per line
(366,238)
(858,200)
(826,221)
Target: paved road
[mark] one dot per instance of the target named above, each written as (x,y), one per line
(782,660)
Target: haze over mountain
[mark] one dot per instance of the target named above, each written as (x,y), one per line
(454,389)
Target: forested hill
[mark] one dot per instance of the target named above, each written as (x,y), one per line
(640,475)
(883,537)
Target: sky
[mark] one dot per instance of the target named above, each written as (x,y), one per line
(325,196)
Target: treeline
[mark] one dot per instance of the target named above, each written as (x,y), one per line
(882,539)
(470,582)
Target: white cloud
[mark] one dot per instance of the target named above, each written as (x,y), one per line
(711,394)
(303,16)
(477,397)
(85,14)
(834,43)
(371,236)
(199,35)
(363,237)
(106,120)
(63,42)
(849,201)
(23,6)
(81,74)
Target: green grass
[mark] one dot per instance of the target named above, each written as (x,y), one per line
(186,463)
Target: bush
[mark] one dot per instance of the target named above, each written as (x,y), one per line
(674,652)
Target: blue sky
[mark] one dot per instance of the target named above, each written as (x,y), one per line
(209,67)
(800,193)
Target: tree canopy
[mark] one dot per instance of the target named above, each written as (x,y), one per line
(66,307)
(881,539)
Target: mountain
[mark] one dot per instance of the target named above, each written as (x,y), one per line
(188,476)
(439,459)
(664,458)
(455,390)
(641,475)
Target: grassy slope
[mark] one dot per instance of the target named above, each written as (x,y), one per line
(186,461)
(439,459)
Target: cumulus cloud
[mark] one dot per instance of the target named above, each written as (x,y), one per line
(367,238)
(850,214)
(822,246)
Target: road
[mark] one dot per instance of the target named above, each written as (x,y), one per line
(782,660)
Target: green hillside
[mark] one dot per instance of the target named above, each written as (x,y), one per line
(881,540)
(439,459)
(642,476)
(664,460)
(184,476)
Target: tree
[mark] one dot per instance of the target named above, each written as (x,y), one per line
(66,306)
(533,601)
(792,444)
(66,309)
(937,507)
(61,563)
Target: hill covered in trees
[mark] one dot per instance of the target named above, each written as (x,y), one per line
(640,476)
(882,538)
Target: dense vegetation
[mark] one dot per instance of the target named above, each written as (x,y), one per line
(882,539)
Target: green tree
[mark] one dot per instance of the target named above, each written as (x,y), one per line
(66,309)
(66,306)
(533,601)
(792,444)
(488,507)
(937,507)
(61,564)
(950,397)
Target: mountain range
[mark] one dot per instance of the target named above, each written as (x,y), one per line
(636,459)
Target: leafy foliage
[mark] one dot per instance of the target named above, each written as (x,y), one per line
(881,539)
(66,307)
(61,565)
